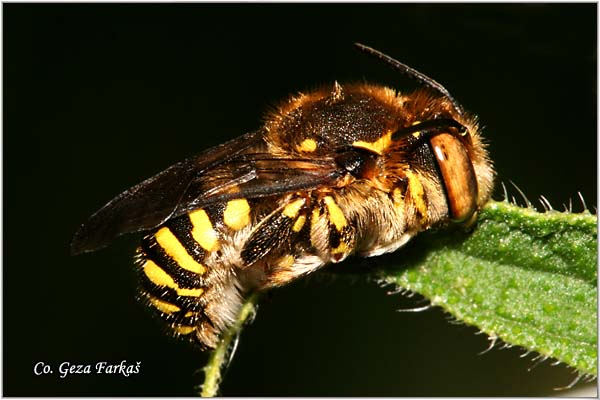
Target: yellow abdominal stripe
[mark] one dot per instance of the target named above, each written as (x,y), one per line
(203,231)
(237,214)
(336,216)
(159,277)
(173,247)
(163,306)
(183,329)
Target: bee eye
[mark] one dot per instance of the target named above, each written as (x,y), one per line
(457,175)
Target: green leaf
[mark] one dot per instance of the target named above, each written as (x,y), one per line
(525,277)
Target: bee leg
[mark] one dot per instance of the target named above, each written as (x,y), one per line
(286,268)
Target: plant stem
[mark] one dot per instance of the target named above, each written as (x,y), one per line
(220,357)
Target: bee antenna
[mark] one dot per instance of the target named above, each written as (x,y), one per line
(412,73)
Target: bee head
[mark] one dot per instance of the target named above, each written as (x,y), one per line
(448,142)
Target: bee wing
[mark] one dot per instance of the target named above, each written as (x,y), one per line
(153,201)
(236,169)
(259,175)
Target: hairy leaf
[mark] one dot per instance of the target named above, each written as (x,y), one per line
(525,277)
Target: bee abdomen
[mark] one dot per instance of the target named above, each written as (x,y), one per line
(174,275)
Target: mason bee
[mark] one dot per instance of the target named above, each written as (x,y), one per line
(345,169)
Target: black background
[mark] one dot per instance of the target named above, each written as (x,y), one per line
(99,97)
